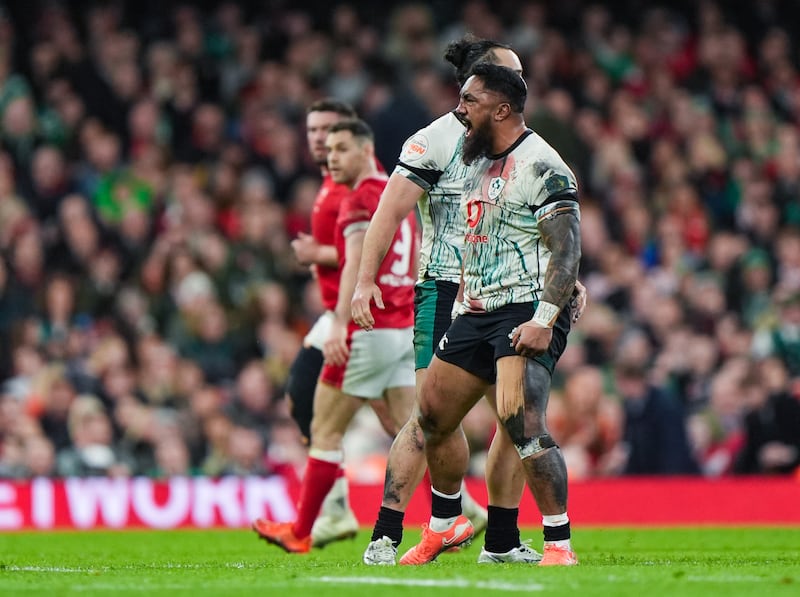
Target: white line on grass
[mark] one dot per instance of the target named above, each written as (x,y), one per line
(43,569)
(153,566)
(738,578)
(455,583)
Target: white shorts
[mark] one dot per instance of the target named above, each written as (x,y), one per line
(379,360)
(319,332)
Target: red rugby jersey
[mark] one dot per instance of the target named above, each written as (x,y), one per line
(323,229)
(397,273)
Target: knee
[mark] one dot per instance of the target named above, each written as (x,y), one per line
(426,422)
(429,425)
(524,425)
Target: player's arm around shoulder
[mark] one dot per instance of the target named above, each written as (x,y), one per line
(558,223)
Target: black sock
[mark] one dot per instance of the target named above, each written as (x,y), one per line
(559,533)
(502,531)
(389,524)
(442,507)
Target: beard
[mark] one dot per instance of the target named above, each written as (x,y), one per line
(477,144)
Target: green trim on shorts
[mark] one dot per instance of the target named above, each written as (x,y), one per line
(425,298)
(433,314)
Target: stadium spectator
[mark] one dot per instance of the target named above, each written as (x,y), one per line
(782,337)
(94,451)
(715,432)
(125,135)
(771,442)
(654,438)
(586,423)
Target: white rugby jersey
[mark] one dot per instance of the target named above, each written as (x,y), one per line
(505,259)
(431,158)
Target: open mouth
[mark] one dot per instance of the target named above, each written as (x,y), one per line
(463,120)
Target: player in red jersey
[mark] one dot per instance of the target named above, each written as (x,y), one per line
(318,250)
(360,366)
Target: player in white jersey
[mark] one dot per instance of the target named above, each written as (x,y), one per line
(430,173)
(520,268)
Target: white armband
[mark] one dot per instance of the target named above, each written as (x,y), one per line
(546,314)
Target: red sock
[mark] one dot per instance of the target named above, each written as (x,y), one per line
(317,482)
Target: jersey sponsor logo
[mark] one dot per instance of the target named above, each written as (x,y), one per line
(496,186)
(474,213)
(476,238)
(415,148)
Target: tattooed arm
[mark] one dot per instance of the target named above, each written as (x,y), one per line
(558,224)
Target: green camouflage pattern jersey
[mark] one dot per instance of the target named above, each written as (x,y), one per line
(505,259)
(431,158)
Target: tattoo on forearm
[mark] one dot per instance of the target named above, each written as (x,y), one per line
(561,233)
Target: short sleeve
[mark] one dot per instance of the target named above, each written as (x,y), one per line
(353,213)
(549,177)
(429,151)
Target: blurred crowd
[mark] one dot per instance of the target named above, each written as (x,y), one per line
(154,169)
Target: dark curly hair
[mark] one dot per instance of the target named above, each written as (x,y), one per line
(468,51)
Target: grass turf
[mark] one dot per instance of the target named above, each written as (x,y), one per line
(618,562)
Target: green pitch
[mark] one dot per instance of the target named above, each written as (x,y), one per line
(614,562)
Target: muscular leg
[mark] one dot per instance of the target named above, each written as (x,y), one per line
(505,481)
(505,476)
(446,396)
(545,469)
(406,464)
(405,468)
(448,393)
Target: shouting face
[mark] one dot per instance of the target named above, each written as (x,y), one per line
(476,110)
